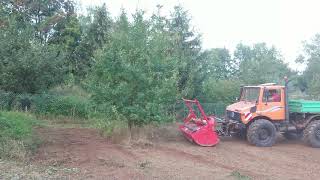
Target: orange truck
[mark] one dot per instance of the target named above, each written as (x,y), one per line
(263,111)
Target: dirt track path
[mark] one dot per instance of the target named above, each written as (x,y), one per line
(98,158)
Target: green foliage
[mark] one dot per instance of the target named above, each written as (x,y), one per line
(213,65)
(108,126)
(43,15)
(260,64)
(96,30)
(57,105)
(14,102)
(72,102)
(38,44)
(69,90)
(26,66)
(314,87)
(6,100)
(16,134)
(238,176)
(128,78)
(310,77)
(187,46)
(68,36)
(217,63)
(15,125)
(225,91)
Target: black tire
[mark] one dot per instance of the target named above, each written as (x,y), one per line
(293,135)
(262,133)
(311,135)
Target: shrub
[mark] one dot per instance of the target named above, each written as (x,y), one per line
(69,90)
(223,91)
(15,125)
(11,101)
(17,137)
(6,100)
(71,106)
(109,127)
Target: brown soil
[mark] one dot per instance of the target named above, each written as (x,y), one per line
(172,157)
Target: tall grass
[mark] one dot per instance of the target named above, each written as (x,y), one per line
(71,106)
(17,137)
(68,101)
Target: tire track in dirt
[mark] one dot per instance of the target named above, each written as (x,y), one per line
(262,163)
(177,158)
(85,149)
(70,140)
(205,160)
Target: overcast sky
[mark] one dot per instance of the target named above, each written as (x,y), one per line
(225,23)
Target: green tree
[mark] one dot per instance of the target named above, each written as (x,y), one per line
(225,91)
(260,64)
(216,65)
(94,32)
(220,63)
(37,41)
(67,37)
(26,66)
(132,75)
(187,47)
(43,15)
(99,29)
(311,58)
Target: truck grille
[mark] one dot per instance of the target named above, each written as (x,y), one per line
(234,115)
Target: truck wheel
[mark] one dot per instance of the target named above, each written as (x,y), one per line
(311,135)
(261,133)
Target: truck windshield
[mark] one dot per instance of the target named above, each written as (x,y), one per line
(250,94)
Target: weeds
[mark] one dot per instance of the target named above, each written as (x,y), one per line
(238,176)
(12,149)
(72,106)
(109,127)
(17,138)
(144,164)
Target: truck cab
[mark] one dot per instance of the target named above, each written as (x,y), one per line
(263,101)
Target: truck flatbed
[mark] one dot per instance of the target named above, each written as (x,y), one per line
(304,106)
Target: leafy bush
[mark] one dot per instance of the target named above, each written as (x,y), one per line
(72,106)
(69,90)
(222,91)
(15,125)
(14,101)
(62,101)
(17,138)
(6,100)
(108,127)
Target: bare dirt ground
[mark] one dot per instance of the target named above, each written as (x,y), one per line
(80,153)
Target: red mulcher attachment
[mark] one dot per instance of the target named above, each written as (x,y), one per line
(200,130)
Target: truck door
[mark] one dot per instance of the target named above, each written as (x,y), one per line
(272,104)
